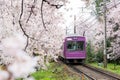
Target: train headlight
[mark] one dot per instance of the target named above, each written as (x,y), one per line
(69,39)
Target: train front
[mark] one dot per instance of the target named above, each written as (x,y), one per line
(75,49)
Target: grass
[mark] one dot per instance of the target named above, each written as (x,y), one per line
(110,67)
(55,71)
(45,74)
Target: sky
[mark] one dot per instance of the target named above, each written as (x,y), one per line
(70,10)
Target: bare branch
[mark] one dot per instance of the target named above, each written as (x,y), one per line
(21,9)
(21,27)
(20,20)
(21,24)
(42,15)
(31,11)
(55,5)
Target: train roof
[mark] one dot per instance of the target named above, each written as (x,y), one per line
(74,35)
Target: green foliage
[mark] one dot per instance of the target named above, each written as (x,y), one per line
(108,42)
(110,67)
(56,71)
(90,54)
(99,55)
(111,39)
(116,27)
(98,5)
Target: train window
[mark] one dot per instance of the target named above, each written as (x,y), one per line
(80,45)
(71,46)
(75,45)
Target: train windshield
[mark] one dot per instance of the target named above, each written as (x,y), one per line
(75,45)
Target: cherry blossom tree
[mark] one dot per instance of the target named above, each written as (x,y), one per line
(38,21)
(112,27)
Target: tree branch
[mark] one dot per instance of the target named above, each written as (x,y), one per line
(29,15)
(55,5)
(42,15)
(31,10)
(21,10)
(21,24)
(21,27)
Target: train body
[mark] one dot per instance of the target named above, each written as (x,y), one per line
(74,49)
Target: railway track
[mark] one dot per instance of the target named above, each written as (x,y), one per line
(82,72)
(94,73)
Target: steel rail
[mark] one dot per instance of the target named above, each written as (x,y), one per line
(109,74)
(75,69)
(81,72)
(94,69)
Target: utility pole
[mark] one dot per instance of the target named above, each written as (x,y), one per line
(66,30)
(105,35)
(74,24)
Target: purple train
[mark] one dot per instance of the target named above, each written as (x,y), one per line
(74,49)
